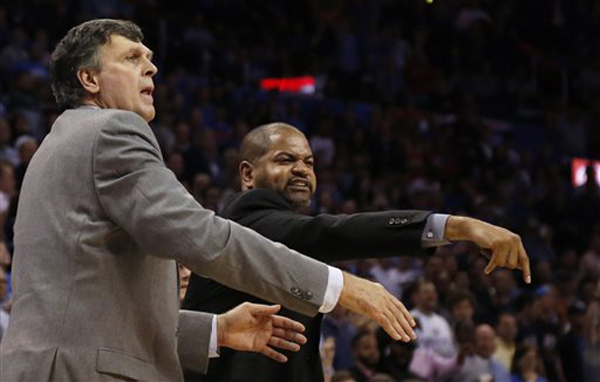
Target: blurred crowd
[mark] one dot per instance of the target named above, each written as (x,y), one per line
(467,107)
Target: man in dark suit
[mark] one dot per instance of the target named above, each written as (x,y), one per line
(277,178)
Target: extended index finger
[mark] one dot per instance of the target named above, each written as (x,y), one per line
(524,264)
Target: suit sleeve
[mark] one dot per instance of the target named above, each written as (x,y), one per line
(337,237)
(141,196)
(193,340)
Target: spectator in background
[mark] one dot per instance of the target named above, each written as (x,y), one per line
(527,314)
(434,331)
(338,326)
(26,146)
(396,358)
(7,152)
(591,351)
(366,356)
(506,329)
(527,365)
(8,192)
(571,344)
(481,365)
(590,261)
(342,376)
(462,306)
(547,330)
(387,274)
(184,278)
(327,352)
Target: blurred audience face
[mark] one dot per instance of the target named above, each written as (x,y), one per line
(402,353)
(545,302)
(287,168)
(26,150)
(176,164)
(504,281)
(507,327)
(8,182)
(427,297)
(529,360)
(184,280)
(465,336)
(526,359)
(485,341)
(463,310)
(366,350)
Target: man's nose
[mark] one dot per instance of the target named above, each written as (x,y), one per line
(151,69)
(301,168)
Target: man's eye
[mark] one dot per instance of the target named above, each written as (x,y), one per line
(132,58)
(310,163)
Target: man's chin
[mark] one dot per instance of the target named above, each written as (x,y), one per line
(148,113)
(297,201)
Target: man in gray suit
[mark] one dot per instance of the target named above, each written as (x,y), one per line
(100,221)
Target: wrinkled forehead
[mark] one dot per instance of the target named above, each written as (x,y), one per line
(290,141)
(118,45)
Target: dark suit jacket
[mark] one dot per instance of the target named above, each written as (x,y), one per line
(325,237)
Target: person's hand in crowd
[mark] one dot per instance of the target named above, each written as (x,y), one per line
(256,328)
(504,248)
(373,300)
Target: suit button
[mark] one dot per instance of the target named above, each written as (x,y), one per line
(295,291)
(403,221)
(397,221)
(429,235)
(309,295)
(391,222)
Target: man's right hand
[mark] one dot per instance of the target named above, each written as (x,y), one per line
(506,248)
(374,301)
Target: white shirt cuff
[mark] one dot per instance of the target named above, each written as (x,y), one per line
(213,346)
(433,234)
(335,284)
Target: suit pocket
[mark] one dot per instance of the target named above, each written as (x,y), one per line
(119,364)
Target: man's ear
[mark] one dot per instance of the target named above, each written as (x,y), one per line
(88,79)
(247,175)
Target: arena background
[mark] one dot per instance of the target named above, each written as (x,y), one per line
(485,108)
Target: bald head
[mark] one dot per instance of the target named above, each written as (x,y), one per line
(485,341)
(260,139)
(277,156)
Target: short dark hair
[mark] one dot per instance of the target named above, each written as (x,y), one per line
(258,141)
(80,49)
(358,336)
(459,296)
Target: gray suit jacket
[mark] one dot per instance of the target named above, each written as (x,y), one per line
(100,220)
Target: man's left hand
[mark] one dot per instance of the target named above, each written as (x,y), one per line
(256,328)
